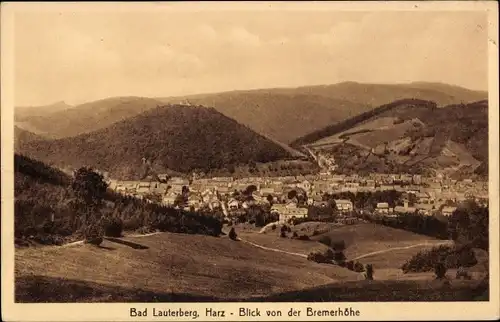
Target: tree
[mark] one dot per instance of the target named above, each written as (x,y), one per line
(250,190)
(440,270)
(369,272)
(232,234)
(292,194)
(89,190)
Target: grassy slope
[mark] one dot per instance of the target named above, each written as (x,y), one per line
(186,268)
(366,238)
(188,264)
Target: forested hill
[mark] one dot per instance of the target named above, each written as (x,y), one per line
(181,138)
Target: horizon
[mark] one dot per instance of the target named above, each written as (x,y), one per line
(84,56)
(242,90)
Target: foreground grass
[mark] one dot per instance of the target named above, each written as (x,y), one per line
(41,289)
(175,263)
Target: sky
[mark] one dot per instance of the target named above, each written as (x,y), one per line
(78,57)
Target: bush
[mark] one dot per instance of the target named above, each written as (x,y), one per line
(273,227)
(350,265)
(325,240)
(232,234)
(358,267)
(369,272)
(132,224)
(94,234)
(295,235)
(315,233)
(304,237)
(113,227)
(451,257)
(283,234)
(321,257)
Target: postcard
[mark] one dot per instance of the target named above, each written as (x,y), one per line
(260,161)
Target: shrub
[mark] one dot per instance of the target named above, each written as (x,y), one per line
(273,227)
(283,234)
(369,272)
(304,237)
(94,234)
(358,267)
(284,228)
(440,270)
(451,257)
(350,265)
(339,257)
(321,257)
(325,240)
(315,233)
(232,234)
(113,227)
(295,235)
(133,223)
(288,229)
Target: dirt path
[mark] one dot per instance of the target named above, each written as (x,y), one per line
(80,242)
(357,258)
(271,249)
(399,248)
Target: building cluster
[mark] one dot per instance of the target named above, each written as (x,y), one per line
(427,194)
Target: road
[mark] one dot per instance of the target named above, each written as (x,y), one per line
(357,258)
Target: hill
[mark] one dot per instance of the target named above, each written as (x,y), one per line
(281,114)
(46,213)
(184,266)
(22,137)
(191,268)
(409,136)
(86,117)
(23,112)
(287,114)
(180,138)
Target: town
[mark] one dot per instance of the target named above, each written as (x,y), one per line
(428,196)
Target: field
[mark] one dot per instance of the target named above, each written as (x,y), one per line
(173,264)
(167,267)
(387,249)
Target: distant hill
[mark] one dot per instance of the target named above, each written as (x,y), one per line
(287,114)
(87,117)
(281,114)
(23,112)
(22,137)
(409,136)
(180,138)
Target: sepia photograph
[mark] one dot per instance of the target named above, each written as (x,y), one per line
(265,153)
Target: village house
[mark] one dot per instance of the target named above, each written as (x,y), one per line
(223,190)
(404,209)
(306,185)
(382,208)
(267,191)
(424,209)
(343,205)
(195,201)
(169,199)
(423,197)
(233,204)
(448,211)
